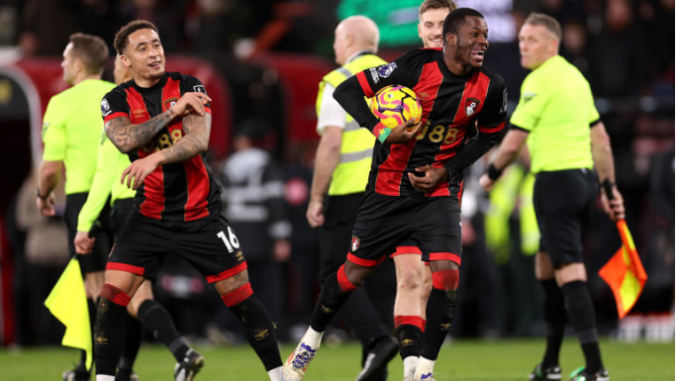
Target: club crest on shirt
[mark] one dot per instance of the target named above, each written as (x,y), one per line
(170,102)
(355,244)
(386,70)
(471,106)
(200,89)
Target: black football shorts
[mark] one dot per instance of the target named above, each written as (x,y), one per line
(385,222)
(563,202)
(213,249)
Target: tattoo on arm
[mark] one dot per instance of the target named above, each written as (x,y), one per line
(196,138)
(128,137)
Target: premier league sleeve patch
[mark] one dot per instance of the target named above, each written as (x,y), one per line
(386,70)
(199,89)
(105,107)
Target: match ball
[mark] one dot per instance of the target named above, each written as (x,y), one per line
(394,105)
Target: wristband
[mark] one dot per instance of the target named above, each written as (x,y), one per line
(493,173)
(381,132)
(37,193)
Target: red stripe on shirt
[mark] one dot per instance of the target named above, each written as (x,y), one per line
(154,184)
(476,88)
(197,180)
(198,188)
(367,90)
(118,114)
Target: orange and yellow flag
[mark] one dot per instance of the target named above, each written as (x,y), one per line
(624,272)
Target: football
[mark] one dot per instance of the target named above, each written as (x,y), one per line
(394,105)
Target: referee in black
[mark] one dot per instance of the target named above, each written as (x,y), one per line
(558,119)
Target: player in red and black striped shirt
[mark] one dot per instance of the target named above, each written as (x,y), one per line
(415,182)
(162,120)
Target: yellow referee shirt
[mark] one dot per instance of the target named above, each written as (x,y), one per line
(71,129)
(556,107)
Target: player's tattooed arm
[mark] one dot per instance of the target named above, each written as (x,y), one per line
(127,136)
(196,129)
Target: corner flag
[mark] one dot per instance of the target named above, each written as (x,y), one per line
(624,272)
(68,303)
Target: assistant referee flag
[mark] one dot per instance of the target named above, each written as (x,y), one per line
(68,303)
(624,272)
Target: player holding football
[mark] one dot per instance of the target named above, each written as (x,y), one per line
(162,120)
(414,185)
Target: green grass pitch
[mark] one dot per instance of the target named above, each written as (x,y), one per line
(501,360)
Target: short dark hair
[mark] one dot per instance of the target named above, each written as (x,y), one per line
(92,50)
(546,21)
(427,5)
(120,41)
(457,17)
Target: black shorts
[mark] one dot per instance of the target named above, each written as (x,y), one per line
(563,202)
(386,222)
(213,249)
(96,260)
(121,209)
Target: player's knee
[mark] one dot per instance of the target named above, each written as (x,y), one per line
(425,290)
(115,295)
(345,283)
(410,280)
(445,280)
(237,295)
(356,274)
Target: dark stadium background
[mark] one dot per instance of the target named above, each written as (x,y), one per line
(265,58)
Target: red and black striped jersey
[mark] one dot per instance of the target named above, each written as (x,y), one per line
(175,194)
(452,107)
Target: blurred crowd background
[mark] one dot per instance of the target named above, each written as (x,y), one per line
(265,59)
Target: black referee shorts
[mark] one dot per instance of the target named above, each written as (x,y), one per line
(214,249)
(564,201)
(96,260)
(386,222)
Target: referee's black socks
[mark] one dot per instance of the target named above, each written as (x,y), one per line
(555,318)
(582,317)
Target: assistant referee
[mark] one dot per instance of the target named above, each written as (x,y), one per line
(558,119)
(70,132)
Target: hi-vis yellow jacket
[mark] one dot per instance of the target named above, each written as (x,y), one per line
(351,174)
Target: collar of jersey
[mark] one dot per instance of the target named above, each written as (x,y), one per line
(153,88)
